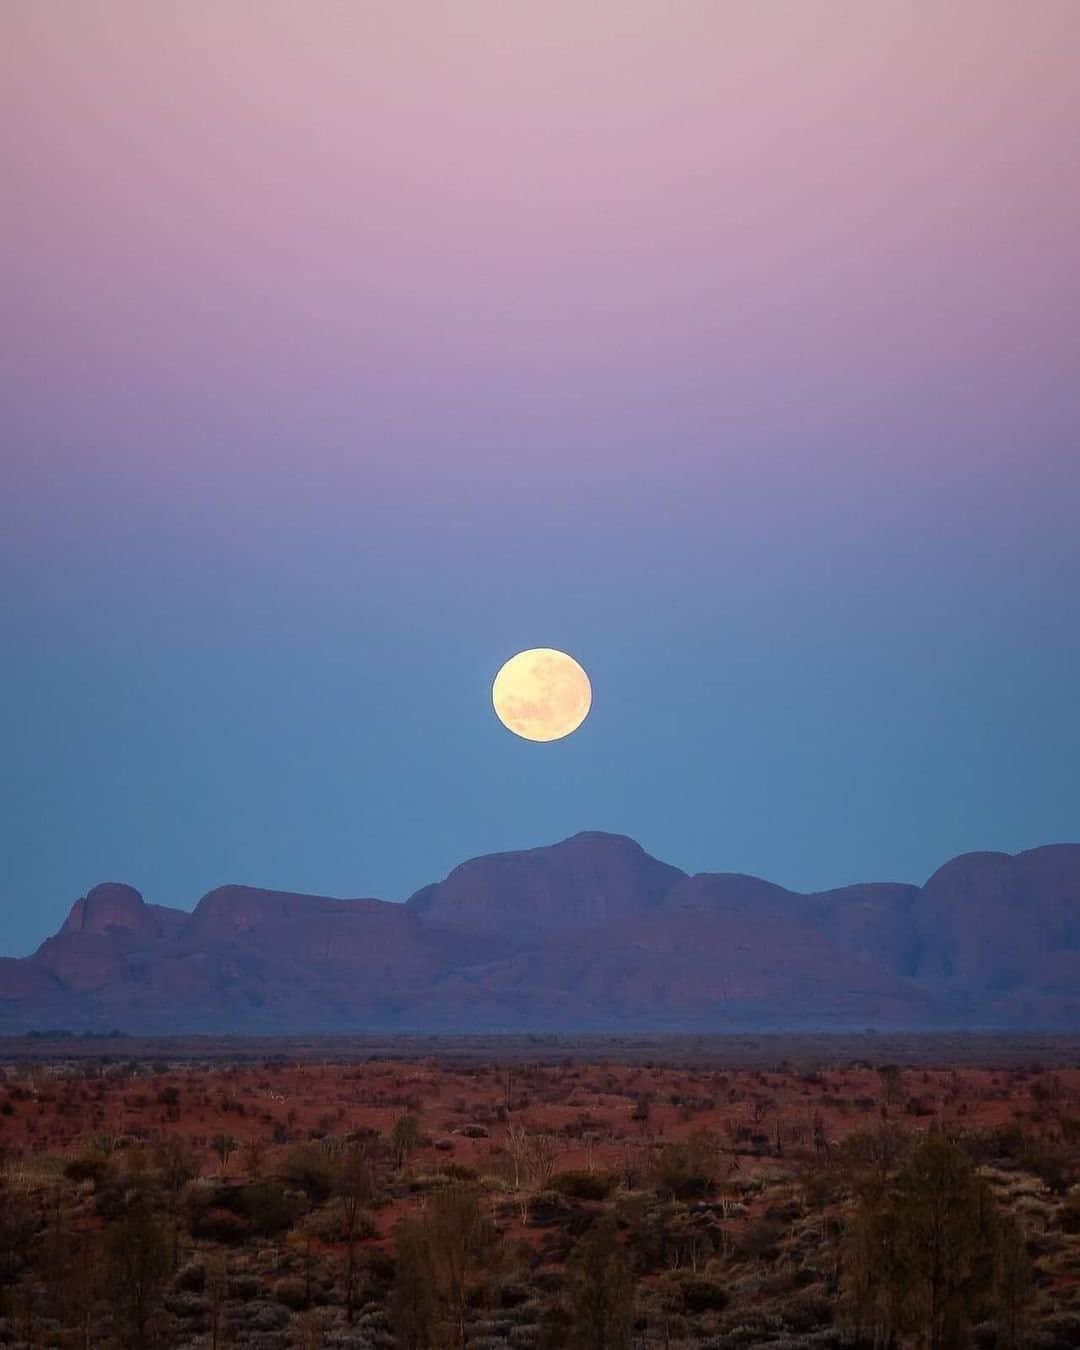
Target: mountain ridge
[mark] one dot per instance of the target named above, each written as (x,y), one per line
(592,933)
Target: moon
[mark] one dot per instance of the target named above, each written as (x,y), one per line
(541,694)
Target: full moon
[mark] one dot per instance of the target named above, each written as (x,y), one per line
(542,694)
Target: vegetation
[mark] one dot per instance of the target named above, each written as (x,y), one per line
(414,1205)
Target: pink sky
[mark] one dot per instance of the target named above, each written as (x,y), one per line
(475,248)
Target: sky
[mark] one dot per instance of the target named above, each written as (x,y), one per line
(349,348)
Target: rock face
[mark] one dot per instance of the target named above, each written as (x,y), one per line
(589,881)
(112,909)
(999,936)
(589,934)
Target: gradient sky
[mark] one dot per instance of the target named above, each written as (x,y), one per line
(351,347)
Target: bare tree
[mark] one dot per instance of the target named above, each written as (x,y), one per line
(517,1145)
(355,1184)
(543,1152)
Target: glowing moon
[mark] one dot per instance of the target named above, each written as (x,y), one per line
(542,694)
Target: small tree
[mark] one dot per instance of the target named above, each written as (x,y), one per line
(174,1161)
(71,1269)
(404,1138)
(689,1168)
(412,1299)
(217,1290)
(1013,1285)
(923,1250)
(355,1184)
(459,1238)
(892,1084)
(137,1261)
(600,1291)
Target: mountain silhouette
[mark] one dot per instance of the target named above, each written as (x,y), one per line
(589,934)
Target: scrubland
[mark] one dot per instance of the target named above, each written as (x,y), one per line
(453,1201)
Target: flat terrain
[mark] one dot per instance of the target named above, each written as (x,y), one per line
(750,1050)
(737,1175)
(635,1100)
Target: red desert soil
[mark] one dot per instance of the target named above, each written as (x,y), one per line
(598,1113)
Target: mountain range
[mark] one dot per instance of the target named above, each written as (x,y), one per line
(589,934)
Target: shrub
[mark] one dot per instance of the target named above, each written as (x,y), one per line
(270,1209)
(268,1317)
(688,1170)
(309,1169)
(458,1171)
(380,1266)
(235,1213)
(583,1185)
(214,1223)
(700,1295)
(87,1167)
(191,1279)
(291,1292)
(186,1305)
(1070,1215)
(1064,1327)
(760,1241)
(244,1287)
(331,1224)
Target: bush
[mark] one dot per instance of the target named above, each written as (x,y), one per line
(1070,1215)
(687,1170)
(760,1241)
(270,1209)
(309,1169)
(186,1305)
(458,1171)
(235,1213)
(291,1292)
(1064,1327)
(330,1224)
(268,1317)
(244,1287)
(806,1312)
(380,1266)
(700,1295)
(87,1167)
(214,1223)
(583,1185)
(191,1279)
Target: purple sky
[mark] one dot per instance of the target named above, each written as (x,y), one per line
(349,348)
